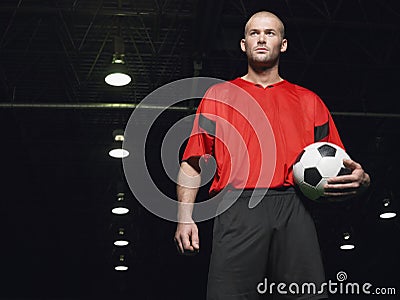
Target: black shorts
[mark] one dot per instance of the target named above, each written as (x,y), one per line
(273,243)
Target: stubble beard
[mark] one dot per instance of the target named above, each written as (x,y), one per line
(262,63)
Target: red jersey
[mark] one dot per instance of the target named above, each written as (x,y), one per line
(255,134)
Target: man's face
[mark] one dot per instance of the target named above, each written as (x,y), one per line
(263,41)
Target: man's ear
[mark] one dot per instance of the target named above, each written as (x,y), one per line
(284,45)
(243,45)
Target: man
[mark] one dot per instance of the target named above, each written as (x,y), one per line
(276,239)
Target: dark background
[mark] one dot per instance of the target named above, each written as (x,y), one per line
(56,122)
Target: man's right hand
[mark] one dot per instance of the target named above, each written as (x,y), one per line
(187,238)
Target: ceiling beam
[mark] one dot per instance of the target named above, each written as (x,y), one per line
(293,21)
(175,108)
(42,10)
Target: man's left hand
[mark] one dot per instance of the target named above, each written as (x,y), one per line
(346,185)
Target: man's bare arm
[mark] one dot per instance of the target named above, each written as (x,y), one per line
(186,235)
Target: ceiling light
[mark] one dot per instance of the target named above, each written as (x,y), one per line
(347,243)
(121,268)
(387,215)
(121,240)
(118,74)
(121,264)
(387,211)
(117,151)
(121,243)
(347,247)
(120,207)
(120,210)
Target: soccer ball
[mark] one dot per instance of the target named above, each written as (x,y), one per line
(315,164)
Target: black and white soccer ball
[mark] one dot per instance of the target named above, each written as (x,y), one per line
(315,164)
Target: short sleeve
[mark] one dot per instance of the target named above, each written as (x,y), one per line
(324,128)
(201,140)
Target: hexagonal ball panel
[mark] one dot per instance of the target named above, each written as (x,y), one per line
(329,166)
(310,158)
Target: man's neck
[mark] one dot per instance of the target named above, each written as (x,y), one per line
(263,77)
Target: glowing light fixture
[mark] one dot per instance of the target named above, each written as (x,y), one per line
(347,243)
(121,243)
(117,74)
(121,240)
(120,207)
(120,210)
(121,264)
(118,151)
(387,212)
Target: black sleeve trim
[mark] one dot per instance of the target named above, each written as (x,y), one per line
(193,161)
(207,124)
(321,132)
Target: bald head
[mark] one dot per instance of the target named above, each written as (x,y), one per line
(265,14)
